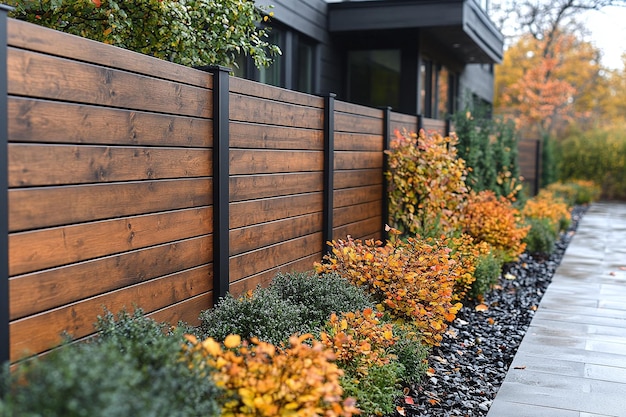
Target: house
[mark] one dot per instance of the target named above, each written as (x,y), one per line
(421,57)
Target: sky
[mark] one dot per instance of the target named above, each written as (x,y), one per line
(608,32)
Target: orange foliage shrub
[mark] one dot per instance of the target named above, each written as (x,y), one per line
(547,206)
(494,220)
(359,340)
(412,280)
(261,380)
(465,251)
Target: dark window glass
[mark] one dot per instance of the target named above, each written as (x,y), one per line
(304,66)
(273,75)
(374,77)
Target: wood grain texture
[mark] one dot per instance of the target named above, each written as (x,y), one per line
(358,178)
(43,76)
(358,160)
(357,109)
(434,125)
(39,291)
(264,259)
(360,229)
(249,161)
(262,111)
(358,142)
(244,87)
(247,213)
(358,124)
(37,165)
(250,238)
(42,331)
(258,136)
(358,195)
(29,36)
(352,214)
(34,120)
(33,208)
(47,248)
(249,187)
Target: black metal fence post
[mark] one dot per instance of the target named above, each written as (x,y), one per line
(5,344)
(386,147)
(221,194)
(420,123)
(329,169)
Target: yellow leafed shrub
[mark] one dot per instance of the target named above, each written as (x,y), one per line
(547,206)
(261,380)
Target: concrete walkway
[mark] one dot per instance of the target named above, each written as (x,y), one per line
(572,360)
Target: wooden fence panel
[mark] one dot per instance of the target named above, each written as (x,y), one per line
(529,160)
(358,191)
(110,188)
(404,122)
(276,183)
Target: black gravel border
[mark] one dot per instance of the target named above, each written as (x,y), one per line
(479,346)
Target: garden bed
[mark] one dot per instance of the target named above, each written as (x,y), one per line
(469,366)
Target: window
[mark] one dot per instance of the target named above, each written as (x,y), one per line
(273,75)
(374,77)
(305,65)
(438,90)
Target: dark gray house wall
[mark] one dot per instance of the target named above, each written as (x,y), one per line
(433,41)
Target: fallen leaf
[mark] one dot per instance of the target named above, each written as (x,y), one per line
(481,307)
(612,273)
(409,400)
(491,321)
(622,268)
(400,410)
(432,401)
(430,372)
(533,308)
(519,367)
(509,276)
(406,390)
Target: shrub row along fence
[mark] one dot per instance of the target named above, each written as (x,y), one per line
(137,182)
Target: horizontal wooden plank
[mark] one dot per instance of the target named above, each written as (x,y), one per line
(34,120)
(358,124)
(357,178)
(360,229)
(252,263)
(357,212)
(358,195)
(258,136)
(358,160)
(187,311)
(33,208)
(249,187)
(434,125)
(36,165)
(29,36)
(264,278)
(42,331)
(358,142)
(247,213)
(249,161)
(250,238)
(47,248)
(357,109)
(257,110)
(251,88)
(403,118)
(43,76)
(41,291)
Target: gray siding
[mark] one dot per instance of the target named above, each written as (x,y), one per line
(477,79)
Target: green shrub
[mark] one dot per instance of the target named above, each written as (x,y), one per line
(261,313)
(598,156)
(375,392)
(486,274)
(188,32)
(134,369)
(541,237)
(410,353)
(318,296)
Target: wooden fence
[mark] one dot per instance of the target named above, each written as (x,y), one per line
(529,158)
(137,182)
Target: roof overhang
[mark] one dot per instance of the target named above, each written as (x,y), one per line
(460,25)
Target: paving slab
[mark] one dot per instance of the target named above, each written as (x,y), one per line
(572,360)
